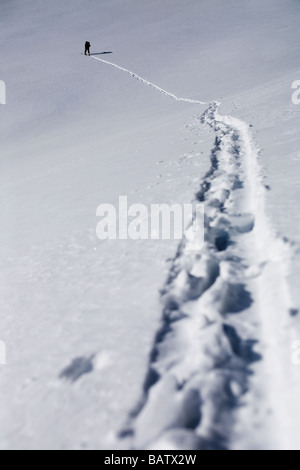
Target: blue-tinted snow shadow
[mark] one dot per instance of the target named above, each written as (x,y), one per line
(101,53)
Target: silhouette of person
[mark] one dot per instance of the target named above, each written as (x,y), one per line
(87,48)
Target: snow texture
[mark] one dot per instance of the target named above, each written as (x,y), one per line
(121,344)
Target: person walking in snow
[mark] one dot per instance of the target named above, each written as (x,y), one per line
(87,48)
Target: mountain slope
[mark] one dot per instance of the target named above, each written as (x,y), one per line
(78,316)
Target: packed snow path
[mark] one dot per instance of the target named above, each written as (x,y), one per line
(218,306)
(146,82)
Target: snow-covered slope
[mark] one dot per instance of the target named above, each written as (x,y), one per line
(79,316)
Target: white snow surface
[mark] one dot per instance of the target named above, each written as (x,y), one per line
(145,344)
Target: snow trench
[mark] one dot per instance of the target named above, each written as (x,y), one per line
(146,82)
(202,360)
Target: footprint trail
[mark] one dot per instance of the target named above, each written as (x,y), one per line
(208,346)
(146,82)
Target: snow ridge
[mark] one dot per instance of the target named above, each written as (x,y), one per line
(146,82)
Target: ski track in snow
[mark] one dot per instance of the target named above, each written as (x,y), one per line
(203,357)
